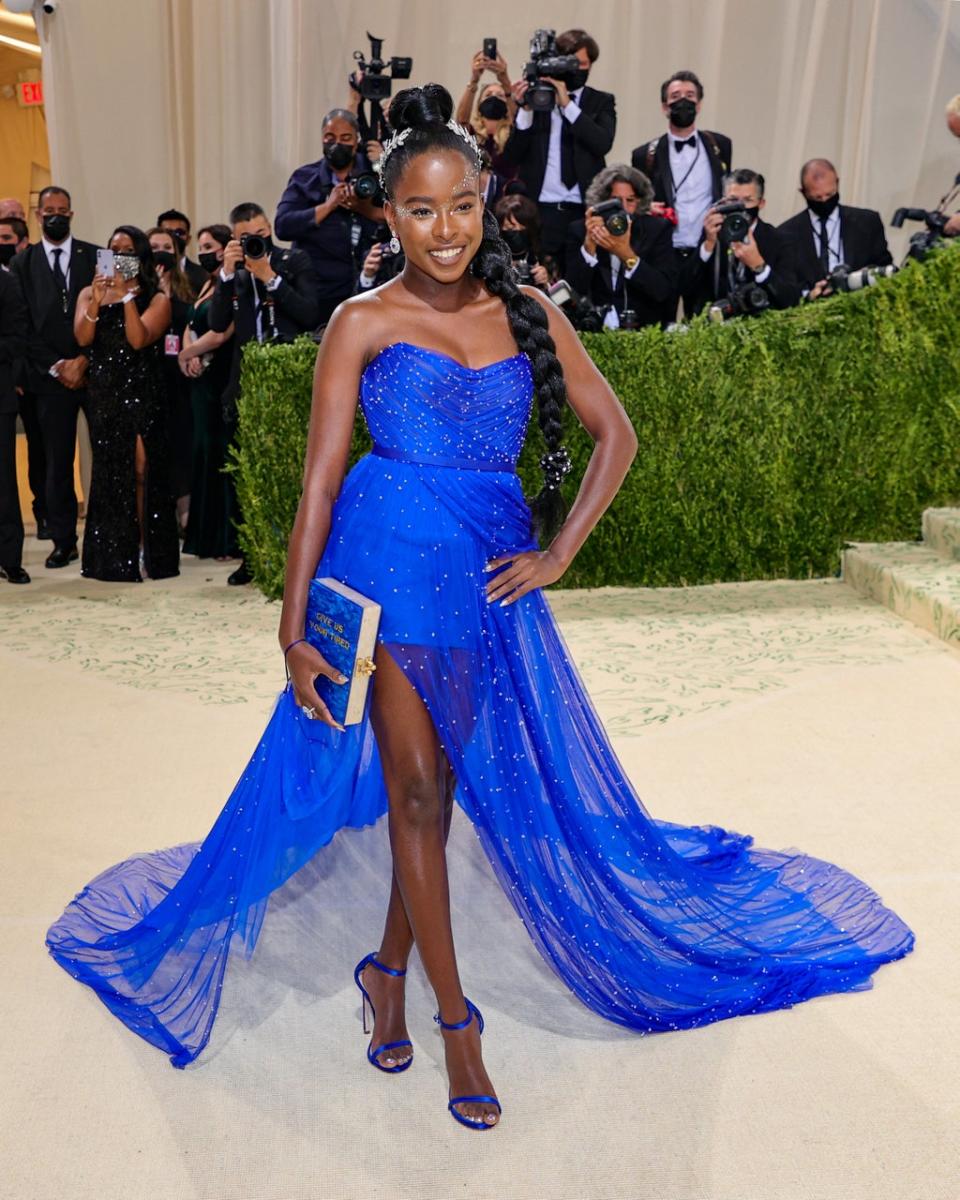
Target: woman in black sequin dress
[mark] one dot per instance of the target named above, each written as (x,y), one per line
(131,528)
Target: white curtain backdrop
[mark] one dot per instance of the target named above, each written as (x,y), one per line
(199,104)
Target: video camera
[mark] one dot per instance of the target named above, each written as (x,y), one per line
(376,86)
(748,300)
(921,243)
(544,60)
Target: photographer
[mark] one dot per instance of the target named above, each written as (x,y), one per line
(686,166)
(621,255)
(949,206)
(267,294)
(382,261)
(558,152)
(490,111)
(519,223)
(739,254)
(322,213)
(828,234)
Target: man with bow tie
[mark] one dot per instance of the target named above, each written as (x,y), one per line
(686,167)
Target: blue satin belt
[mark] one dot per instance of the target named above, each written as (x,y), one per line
(437,460)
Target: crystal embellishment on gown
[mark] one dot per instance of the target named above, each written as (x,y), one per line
(653,925)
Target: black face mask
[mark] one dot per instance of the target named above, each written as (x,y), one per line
(683,113)
(823,208)
(56,226)
(517,240)
(338,155)
(7,251)
(165,258)
(493,108)
(209,260)
(576,79)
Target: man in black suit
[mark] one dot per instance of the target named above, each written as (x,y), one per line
(178,224)
(764,257)
(557,153)
(266,297)
(51,275)
(827,233)
(633,270)
(686,166)
(13,340)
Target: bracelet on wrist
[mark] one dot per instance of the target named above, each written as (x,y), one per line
(92,320)
(128,297)
(291,646)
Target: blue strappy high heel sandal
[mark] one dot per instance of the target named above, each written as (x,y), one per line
(472,1011)
(374,1055)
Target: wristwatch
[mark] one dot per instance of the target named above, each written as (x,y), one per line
(631,262)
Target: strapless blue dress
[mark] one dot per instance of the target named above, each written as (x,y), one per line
(653,925)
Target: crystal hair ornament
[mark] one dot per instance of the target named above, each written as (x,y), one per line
(399,138)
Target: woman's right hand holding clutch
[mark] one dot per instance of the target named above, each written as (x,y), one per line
(304,664)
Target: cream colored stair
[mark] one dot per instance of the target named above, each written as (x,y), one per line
(918,580)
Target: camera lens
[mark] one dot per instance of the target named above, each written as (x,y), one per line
(253,245)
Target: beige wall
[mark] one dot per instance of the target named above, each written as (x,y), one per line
(201,103)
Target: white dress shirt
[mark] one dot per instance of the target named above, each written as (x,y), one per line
(834,243)
(554,189)
(66,247)
(692,187)
(612,319)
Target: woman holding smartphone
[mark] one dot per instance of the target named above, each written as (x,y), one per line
(131,528)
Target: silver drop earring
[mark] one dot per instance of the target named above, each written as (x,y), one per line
(394,245)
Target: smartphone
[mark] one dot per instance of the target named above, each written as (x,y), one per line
(105,264)
(489,47)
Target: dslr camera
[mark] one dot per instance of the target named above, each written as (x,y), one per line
(253,245)
(748,300)
(736,220)
(614,216)
(923,242)
(544,60)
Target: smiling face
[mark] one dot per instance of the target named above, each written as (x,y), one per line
(437,213)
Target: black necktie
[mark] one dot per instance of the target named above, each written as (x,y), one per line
(568,172)
(690,141)
(59,278)
(824,247)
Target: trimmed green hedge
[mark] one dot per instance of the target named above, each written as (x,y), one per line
(765,443)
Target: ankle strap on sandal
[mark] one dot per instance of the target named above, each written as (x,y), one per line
(472,1011)
(371,960)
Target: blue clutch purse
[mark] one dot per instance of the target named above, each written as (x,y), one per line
(342,625)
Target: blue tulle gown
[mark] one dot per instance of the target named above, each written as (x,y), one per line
(653,925)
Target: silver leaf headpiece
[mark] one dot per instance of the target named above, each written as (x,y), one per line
(398,139)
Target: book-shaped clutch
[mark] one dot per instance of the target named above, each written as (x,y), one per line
(342,625)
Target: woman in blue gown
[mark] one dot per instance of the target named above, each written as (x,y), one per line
(653,925)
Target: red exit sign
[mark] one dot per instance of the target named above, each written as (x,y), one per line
(30,93)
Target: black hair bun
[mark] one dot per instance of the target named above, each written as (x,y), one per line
(424,107)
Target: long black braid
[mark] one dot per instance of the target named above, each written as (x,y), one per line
(425,112)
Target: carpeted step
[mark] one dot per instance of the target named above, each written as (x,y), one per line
(941,531)
(913,580)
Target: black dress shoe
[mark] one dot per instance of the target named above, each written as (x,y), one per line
(61,556)
(43,531)
(14,575)
(240,576)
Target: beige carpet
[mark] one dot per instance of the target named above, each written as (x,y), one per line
(795,711)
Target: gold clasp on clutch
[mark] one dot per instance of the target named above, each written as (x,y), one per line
(365,666)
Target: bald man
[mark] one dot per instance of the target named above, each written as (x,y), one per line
(950,204)
(11,207)
(827,233)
